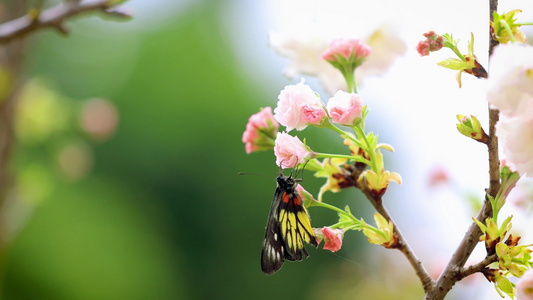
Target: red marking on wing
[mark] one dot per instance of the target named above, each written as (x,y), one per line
(285,197)
(298,200)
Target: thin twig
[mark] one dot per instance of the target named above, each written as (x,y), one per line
(53,17)
(494,116)
(477,267)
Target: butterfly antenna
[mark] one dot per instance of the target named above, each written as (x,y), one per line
(279,168)
(301,171)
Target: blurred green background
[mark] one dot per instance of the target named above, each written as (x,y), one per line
(162,214)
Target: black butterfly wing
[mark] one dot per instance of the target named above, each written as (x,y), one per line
(273,252)
(288,227)
(295,226)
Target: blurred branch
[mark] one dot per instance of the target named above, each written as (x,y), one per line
(450,274)
(403,246)
(54,17)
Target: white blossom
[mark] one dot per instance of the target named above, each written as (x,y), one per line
(510,82)
(304,48)
(516,135)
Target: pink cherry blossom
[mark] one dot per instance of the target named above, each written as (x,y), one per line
(433,42)
(332,239)
(346,50)
(423,48)
(291,100)
(260,131)
(290,151)
(313,114)
(524,287)
(304,46)
(248,138)
(345,108)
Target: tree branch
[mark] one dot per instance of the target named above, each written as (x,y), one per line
(477,267)
(450,275)
(53,17)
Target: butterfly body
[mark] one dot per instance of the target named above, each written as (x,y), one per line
(288,227)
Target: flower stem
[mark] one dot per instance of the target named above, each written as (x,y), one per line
(355,158)
(344,134)
(360,132)
(456,51)
(340,211)
(349,75)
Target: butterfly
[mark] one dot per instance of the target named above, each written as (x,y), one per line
(288,227)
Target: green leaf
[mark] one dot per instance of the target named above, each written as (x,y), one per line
(453,64)
(505,285)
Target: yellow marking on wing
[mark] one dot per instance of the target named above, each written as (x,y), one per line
(307,229)
(295,228)
(289,239)
(292,220)
(300,242)
(283,221)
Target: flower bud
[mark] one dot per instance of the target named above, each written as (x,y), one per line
(345,108)
(290,151)
(467,63)
(508,182)
(433,42)
(344,53)
(260,131)
(470,127)
(493,234)
(377,183)
(499,28)
(383,234)
(332,239)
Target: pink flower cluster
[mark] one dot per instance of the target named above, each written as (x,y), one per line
(510,89)
(290,151)
(261,131)
(298,106)
(433,42)
(345,108)
(346,51)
